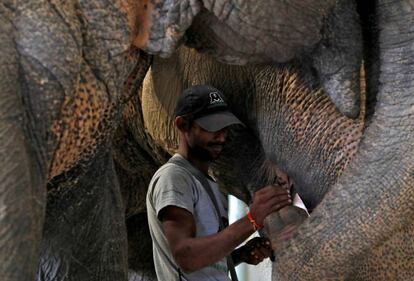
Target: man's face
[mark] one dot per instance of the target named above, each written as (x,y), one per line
(204,145)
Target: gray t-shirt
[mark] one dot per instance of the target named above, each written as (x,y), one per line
(171,185)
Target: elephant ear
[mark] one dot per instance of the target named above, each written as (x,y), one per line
(162,24)
(239,32)
(232,31)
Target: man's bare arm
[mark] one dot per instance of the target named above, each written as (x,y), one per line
(193,253)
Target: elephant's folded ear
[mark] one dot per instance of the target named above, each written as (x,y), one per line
(232,31)
(258,31)
(161,24)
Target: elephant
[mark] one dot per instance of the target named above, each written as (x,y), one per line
(67,69)
(81,133)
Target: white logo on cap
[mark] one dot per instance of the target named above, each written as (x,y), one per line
(215,98)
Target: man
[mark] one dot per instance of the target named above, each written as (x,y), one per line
(185,206)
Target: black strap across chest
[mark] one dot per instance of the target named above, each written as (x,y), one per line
(204,182)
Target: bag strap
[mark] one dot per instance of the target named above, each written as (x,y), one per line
(203,180)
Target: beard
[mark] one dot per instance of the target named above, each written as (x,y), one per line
(202,153)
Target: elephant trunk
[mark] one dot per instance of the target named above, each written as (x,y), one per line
(304,118)
(350,221)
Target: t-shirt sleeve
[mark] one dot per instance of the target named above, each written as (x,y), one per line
(174,187)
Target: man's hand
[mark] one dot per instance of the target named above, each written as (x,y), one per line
(269,199)
(253,252)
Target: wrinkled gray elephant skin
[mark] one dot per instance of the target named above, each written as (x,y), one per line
(76,155)
(67,70)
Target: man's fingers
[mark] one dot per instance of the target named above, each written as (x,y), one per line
(268,200)
(265,252)
(270,191)
(257,255)
(273,205)
(259,248)
(266,243)
(279,201)
(279,206)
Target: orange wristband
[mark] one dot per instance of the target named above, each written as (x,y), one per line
(254,223)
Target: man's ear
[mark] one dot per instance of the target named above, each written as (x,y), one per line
(182,124)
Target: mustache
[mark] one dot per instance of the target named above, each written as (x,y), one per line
(216,143)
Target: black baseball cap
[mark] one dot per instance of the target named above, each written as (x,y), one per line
(206,106)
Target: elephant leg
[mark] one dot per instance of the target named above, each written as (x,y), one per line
(85,233)
(22,187)
(140,259)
